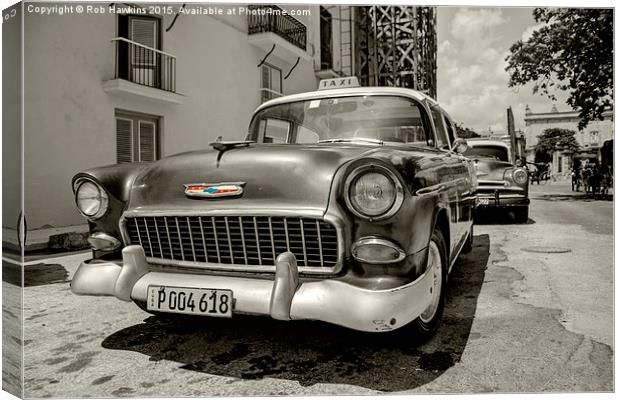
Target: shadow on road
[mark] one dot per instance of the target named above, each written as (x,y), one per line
(498,217)
(312,352)
(577,196)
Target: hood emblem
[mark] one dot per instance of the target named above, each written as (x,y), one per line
(212,190)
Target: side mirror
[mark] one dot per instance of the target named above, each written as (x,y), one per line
(459,146)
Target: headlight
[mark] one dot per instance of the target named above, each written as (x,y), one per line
(91,199)
(519,176)
(373,192)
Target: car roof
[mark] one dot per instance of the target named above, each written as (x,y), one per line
(350,91)
(484,142)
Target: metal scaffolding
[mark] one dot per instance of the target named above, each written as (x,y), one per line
(397,46)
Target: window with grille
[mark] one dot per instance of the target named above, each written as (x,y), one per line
(137,137)
(271,82)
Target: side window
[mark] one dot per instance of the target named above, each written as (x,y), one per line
(442,136)
(137,137)
(274,130)
(271,82)
(450,127)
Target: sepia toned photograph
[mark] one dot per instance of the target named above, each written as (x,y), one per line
(227,200)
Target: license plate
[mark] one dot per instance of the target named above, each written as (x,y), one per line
(483,201)
(212,302)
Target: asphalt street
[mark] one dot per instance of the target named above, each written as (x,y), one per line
(529,310)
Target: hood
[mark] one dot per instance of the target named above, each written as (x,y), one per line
(491,170)
(276,177)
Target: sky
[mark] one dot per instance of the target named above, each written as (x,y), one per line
(472,84)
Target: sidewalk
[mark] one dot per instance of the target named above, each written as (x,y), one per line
(64,238)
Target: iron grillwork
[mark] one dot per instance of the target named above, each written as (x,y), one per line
(271,18)
(144,65)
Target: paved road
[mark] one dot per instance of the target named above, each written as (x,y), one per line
(516,321)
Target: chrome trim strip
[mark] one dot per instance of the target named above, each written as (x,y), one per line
(204,242)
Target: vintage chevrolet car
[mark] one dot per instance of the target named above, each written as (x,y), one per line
(501,184)
(346,205)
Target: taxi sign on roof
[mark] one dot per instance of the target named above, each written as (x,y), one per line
(339,83)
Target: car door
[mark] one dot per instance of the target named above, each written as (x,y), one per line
(466,188)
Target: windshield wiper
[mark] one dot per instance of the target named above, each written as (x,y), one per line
(350,140)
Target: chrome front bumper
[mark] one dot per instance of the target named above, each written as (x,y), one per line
(283,298)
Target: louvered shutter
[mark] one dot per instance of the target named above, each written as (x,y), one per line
(265,83)
(124,140)
(147,141)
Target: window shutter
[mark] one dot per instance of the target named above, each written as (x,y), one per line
(144,31)
(147,141)
(265,84)
(124,140)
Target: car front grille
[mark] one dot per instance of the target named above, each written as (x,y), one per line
(234,240)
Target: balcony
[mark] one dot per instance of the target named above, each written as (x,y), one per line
(269,25)
(143,71)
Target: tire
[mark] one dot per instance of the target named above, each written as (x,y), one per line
(426,324)
(469,243)
(522,215)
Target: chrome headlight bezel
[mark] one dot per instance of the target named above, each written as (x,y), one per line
(374,168)
(103,198)
(519,172)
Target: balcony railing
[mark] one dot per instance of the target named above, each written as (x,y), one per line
(270,18)
(144,65)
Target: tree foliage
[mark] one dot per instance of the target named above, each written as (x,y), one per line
(573,52)
(465,133)
(552,139)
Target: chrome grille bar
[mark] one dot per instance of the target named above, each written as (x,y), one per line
(303,241)
(232,256)
(191,237)
(204,242)
(273,245)
(217,242)
(161,251)
(176,220)
(318,235)
(260,259)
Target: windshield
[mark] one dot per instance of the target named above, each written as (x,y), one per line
(487,151)
(370,119)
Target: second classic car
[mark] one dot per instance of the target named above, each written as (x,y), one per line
(346,205)
(501,184)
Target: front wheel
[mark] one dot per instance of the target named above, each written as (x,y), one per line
(426,324)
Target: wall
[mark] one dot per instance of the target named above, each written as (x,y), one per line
(69,119)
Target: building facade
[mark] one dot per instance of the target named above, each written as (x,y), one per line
(591,139)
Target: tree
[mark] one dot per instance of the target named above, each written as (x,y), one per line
(465,133)
(573,52)
(552,139)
